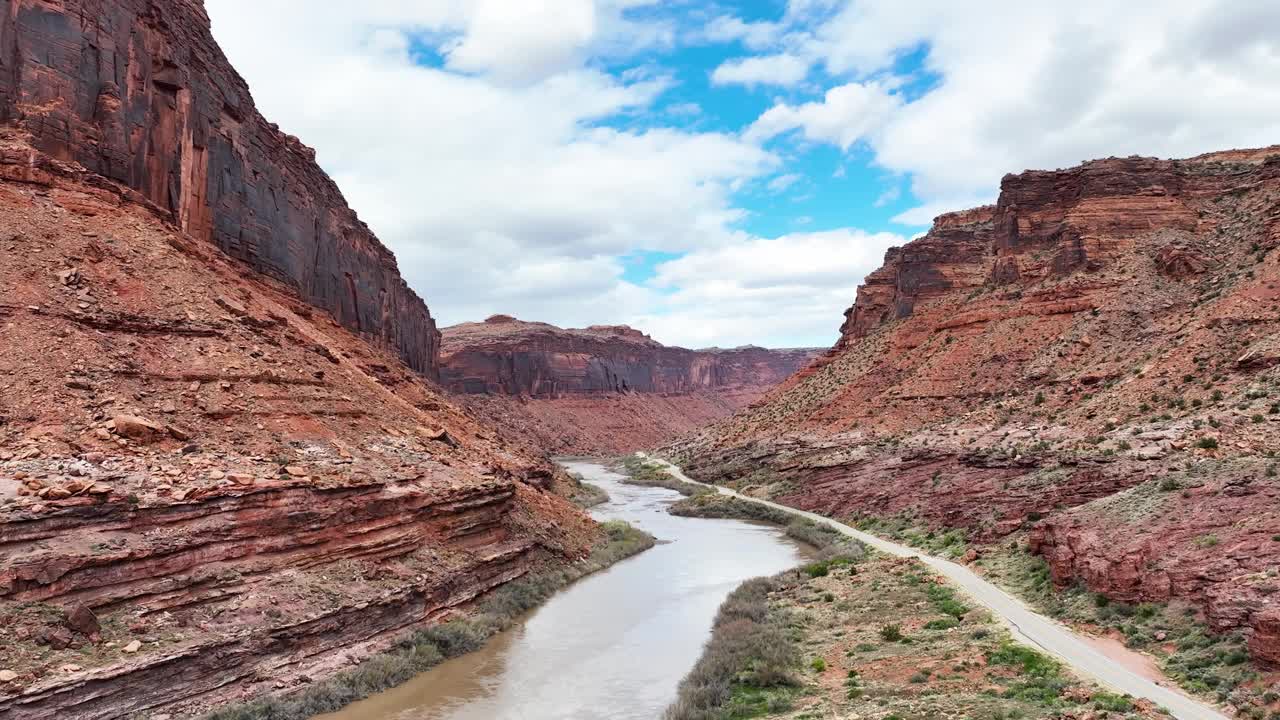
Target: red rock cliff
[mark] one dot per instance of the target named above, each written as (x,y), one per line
(1045,224)
(1047,368)
(209,491)
(601,389)
(137,91)
(506,356)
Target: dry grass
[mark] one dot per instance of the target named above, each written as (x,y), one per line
(882,638)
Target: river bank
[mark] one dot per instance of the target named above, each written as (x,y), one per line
(1026,627)
(427,648)
(615,644)
(882,637)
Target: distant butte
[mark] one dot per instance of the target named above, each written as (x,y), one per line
(603,388)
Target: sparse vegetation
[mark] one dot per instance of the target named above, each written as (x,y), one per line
(644,472)
(843,548)
(884,671)
(1200,660)
(1112,702)
(585,495)
(1207,541)
(748,665)
(891,633)
(946,543)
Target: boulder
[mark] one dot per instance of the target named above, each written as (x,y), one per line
(137,428)
(82,620)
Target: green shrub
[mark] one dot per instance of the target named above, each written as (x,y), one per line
(1207,443)
(817,569)
(750,650)
(944,599)
(891,633)
(1112,702)
(1027,661)
(1206,541)
(650,474)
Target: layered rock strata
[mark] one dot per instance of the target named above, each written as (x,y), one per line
(1043,367)
(601,389)
(137,92)
(239,492)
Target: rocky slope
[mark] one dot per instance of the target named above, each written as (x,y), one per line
(221,469)
(601,389)
(1091,363)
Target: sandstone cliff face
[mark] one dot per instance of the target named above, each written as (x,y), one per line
(208,490)
(1023,368)
(505,356)
(137,91)
(601,389)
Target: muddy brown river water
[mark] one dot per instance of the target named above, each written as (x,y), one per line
(613,645)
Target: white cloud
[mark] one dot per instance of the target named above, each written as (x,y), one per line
(782,182)
(1040,85)
(890,195)
(754,35)
(688,109)
(492,178)
(791,288)
(847,114)
(522,41)
(783,70)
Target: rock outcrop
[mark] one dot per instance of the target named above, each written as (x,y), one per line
(601,389)
(137,92)
(222,470)
(1040,368)
(506,356)
(244,493)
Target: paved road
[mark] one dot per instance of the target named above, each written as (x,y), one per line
(1027,626)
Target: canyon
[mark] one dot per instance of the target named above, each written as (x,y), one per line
(237,455)
(1088,367)
(601,390)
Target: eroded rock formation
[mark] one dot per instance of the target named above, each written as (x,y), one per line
(506,356)
(1041,368)
(601,389)
(243,492)
(138,92)
(222,472)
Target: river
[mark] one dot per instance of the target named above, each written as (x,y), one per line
(614,644)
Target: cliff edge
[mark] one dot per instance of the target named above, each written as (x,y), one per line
(138,92)
(604,389)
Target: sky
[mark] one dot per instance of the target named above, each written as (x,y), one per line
(723,172)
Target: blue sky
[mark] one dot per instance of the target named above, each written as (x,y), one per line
(719,172)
